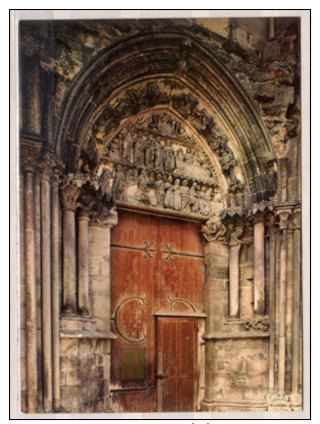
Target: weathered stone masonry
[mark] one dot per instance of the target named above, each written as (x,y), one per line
(190,119)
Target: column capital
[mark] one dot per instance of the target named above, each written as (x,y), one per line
(283,214)
(214,229)
(29,157)
(48,165)
(69,195)
(105,217)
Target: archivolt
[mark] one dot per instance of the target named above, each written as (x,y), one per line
(218,107)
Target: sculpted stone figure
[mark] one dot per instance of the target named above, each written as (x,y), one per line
(119,183)
(177,194)
(159,190)
(159,157)
(169,193)
(150,155)
(213,229)
(169,158)
(194,198)
(143,182)
(138,152)
(185,196)
(105,182)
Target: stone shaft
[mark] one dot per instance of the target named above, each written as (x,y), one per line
(31,298)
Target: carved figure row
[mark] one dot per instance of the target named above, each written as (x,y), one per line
(159,155)
(164,191)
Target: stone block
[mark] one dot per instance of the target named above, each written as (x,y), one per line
(259,393)
(103,324)
(257,366)
(90,391)
(70,399)
(94,267)
(68,347)
(85,348)
(264,92)
(101,305)
(99,285)
(72,378)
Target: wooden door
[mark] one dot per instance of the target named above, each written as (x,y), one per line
(156,265)
(176,364)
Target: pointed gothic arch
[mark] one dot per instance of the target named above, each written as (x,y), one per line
(210,98)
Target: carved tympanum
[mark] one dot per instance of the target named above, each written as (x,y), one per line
(154,160)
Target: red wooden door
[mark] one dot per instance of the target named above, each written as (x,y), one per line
(176,372)
(156,265)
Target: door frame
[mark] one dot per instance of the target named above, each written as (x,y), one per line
(199,318)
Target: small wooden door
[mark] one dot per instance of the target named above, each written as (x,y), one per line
(176,364)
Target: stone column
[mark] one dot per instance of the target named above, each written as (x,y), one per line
(283,215)
(295,396)
(55,293)
(69,193)
(272,300)
(31,296)
(234,250)
(216,259)
(100,233)
(46,287)
(259,272)
(83,262)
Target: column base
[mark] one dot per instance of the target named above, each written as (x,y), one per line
(278,402)
(296,402)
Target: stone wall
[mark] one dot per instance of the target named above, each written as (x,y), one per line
(85,373)
(240,370)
